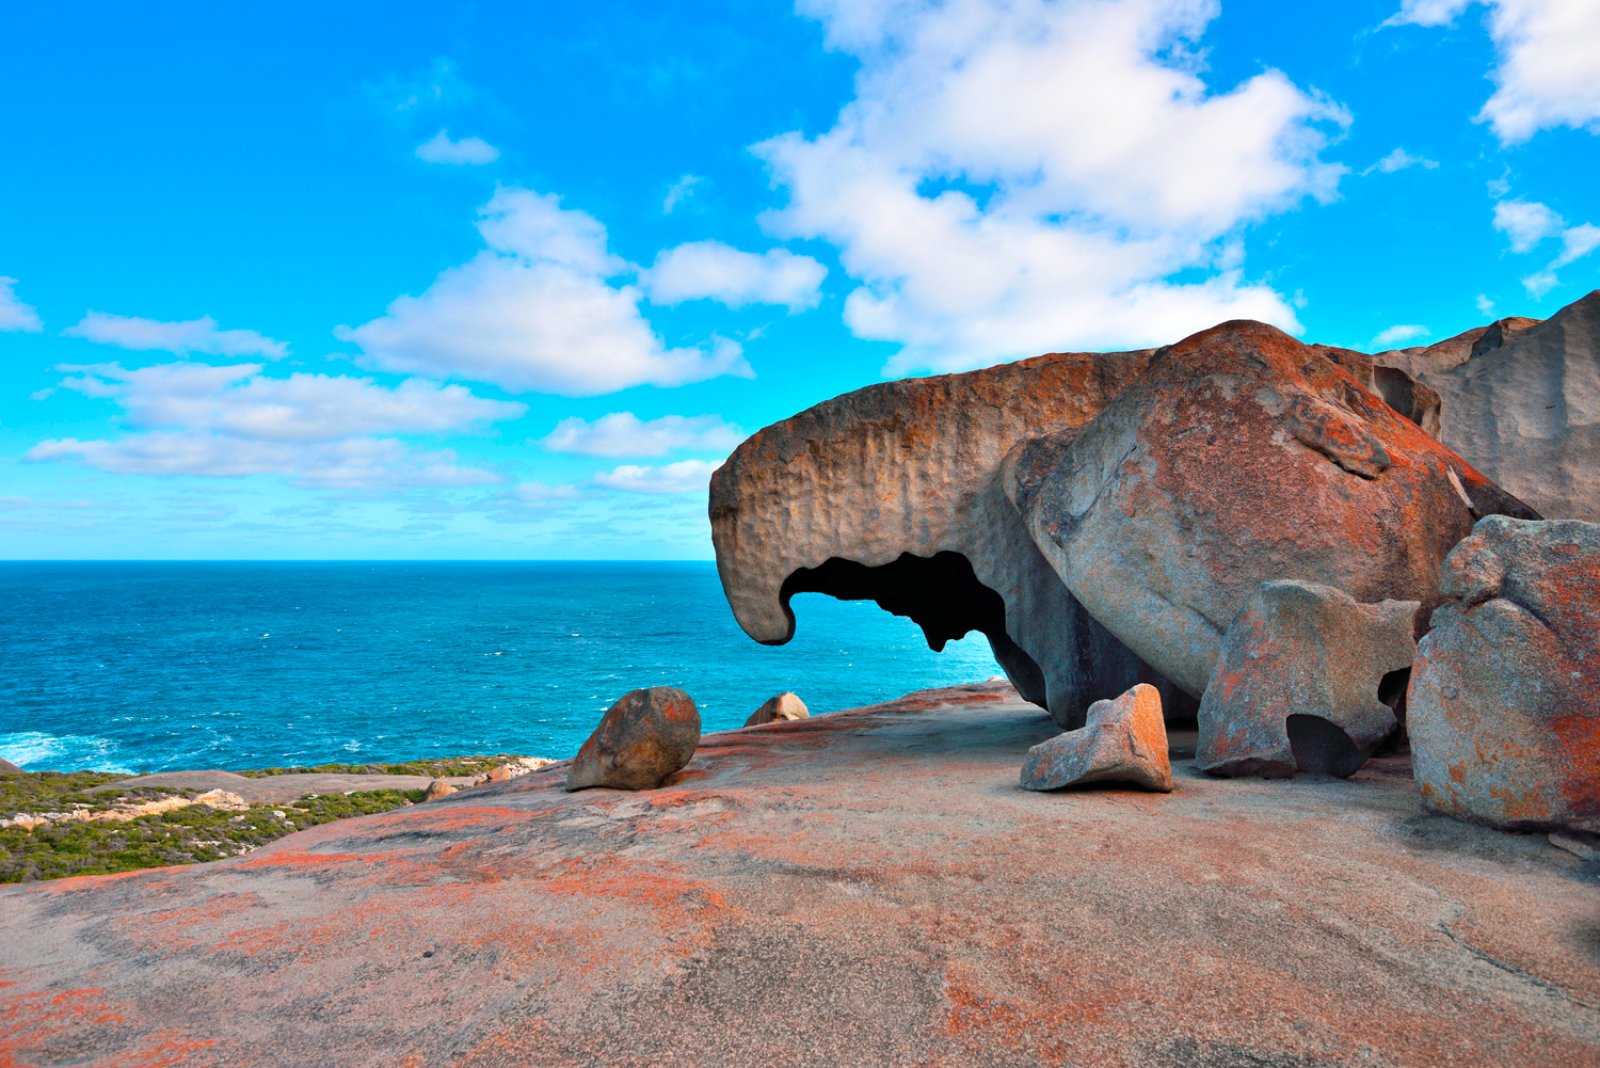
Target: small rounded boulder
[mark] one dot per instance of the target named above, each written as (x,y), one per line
(641,740)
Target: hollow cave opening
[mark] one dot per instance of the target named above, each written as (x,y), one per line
(939,593)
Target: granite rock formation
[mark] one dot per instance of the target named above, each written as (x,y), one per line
(1124,740)
(780,709)
(892,494)
(1307,681)
(437,789)
(1521,402)
(641,741)
(1504,702)
(1241,456)
(8,768)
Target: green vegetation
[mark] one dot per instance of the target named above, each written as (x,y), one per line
(182,836)
(438,769)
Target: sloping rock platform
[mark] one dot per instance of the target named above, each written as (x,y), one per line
(864,887)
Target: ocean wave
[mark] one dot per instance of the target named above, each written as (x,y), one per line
(37,751)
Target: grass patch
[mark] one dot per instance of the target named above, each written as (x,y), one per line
(183,836)
(438,769)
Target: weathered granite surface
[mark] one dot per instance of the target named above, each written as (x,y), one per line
(1308,680)
(643,738)
(883,870)
(1521,402)
(779,709)
(1504,703)
(1241,456)
(1124,741)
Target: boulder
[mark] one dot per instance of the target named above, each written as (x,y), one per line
(1521,402)
(436,789)
(8,768)
(1238,457)
(784,707)
(1124,740)
(1504,704)
(641,740)
(892,494)
(1307,681)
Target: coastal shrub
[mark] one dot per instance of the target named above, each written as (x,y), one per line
(442,767)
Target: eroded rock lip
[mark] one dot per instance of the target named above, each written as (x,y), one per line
(641,741)
(1299,684)
(1504,702)
(1241,456)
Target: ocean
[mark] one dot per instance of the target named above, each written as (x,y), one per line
(144,667)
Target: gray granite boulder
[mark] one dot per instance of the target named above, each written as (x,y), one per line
(1307,681)
(779,709)
(1124,740)
(641,741)
(1504,704)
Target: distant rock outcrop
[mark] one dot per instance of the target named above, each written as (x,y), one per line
(641,741)
(1521,402)
(1504,704)
(782,708)
(1124,740)
(1241,456)
(1304,682)
(8,768)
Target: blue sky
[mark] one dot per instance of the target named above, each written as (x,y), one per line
(509,280)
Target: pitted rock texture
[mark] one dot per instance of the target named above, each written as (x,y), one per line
(1504,705)
(1304,682)
(1241,456)
(1124,740)
(1521,402)
(882,869)
(641,741)
(780,709)
(892,494)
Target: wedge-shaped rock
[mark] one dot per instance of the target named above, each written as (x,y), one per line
(892,494)
(8,768)
(1124,740)
(641,740)
(1241,456)
(1306,682)
(1504,705)
(1521,401)
(779,709)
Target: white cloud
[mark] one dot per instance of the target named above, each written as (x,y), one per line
(191,336)
(1546,75)
(1484,304)
(1400,160)
(625,434)
(196,419)
(711,270)
(15,315)
(354,463)
(680,191)
(536,310)
(467,151)
(1397,335)
(237,400)
(1015,178)
(1525,222)
(1577,242)
(686,476)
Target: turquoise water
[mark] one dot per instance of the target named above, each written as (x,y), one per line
(151,666)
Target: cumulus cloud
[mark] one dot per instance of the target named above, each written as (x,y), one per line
(980,229)
(468,151)
(1527,224)
(14,314)
(1484,305)
(198,419)
(188,337)
(625,434)
(539,309)
(1398,335)
(354,463)
(1400,160)
(1546,74)
(711,270)
(680,191)
(685,476)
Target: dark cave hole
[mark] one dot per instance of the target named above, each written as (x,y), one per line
(1322,748)
(939,593)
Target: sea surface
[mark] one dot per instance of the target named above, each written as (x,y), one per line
(150,666)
